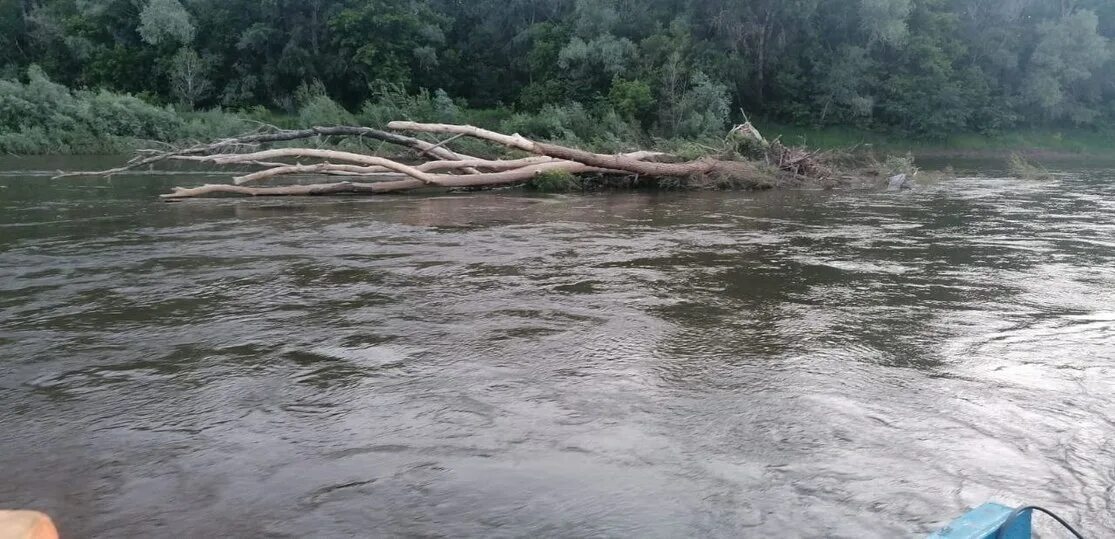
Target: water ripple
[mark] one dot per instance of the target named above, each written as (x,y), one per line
(847,364)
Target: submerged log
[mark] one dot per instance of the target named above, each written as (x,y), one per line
(491,179)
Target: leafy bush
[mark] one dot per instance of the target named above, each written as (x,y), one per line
(127,116)
(554,181)
(392,102)
(553,123)
(703,109)
(615,134)
(212,124)
(315,107)
(633,100)
(893,165)
(41,116)
(573,124)
(687,150)
(900,164)
(486,118)
(321,110)
(538,94)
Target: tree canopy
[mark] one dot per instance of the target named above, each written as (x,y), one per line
(674,67)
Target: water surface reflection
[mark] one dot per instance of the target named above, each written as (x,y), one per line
(848,364)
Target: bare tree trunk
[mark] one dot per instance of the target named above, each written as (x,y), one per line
(492,179)
(315,11)
(281,169)
(329,155)
(224,145)
(707,166)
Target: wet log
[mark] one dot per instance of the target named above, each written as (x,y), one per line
(491,179)
(282,169)
(329,155)
(491,165)
(257,139)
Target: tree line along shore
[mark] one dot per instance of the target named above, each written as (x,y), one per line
(110,76)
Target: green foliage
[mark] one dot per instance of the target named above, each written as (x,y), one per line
(843,88)
(919,68)
(189,79)
(41,116)
(702,110)
(321,110)
(165,21)
(213,124)
(393,102)
(388,41)
(558,123)
(633,100)
(574,124)
(894,165)
(316,108)
(588,63)
(612,133)
(554,181)
(1060,141)
(687,150)
(672,184)
(1020,167)
(743,144)
(1067,53)
(884,21)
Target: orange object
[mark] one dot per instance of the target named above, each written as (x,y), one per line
(26,525)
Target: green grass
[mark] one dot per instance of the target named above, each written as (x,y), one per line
(554,181)
(1052,141)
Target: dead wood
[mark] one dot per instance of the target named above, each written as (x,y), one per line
(452,170)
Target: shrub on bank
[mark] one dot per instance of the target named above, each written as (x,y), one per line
(207,125)
(40,116)
(554,181)
(392,102)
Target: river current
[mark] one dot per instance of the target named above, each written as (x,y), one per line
(794,364)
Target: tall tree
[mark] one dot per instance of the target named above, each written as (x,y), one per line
(1061,71)
(189,79)
(924,67)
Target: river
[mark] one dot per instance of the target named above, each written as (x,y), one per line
(801,364)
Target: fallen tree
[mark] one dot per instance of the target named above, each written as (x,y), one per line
(447,169)
(254,140)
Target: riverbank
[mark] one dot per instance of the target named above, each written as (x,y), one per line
(1041,144)
(41,117)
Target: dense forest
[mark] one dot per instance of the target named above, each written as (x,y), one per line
(669,68)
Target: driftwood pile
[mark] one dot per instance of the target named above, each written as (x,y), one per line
(445,168)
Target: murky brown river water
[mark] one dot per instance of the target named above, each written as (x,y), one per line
(842,364)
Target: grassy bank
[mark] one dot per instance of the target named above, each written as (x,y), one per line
(1034,142)
(40,117)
